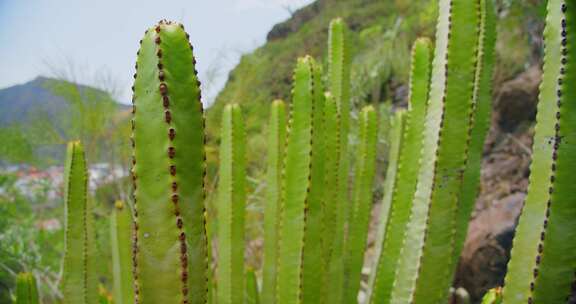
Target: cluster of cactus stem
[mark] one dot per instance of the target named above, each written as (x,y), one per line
(316,220)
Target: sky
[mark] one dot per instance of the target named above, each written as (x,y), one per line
(95,42)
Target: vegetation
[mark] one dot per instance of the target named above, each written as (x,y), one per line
(171,242)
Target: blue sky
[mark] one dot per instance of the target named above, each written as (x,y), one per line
(95,42)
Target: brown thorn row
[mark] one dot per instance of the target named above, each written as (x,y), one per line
(163,88)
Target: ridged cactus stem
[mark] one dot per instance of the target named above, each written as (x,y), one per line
(79,278)
(121,224)
(276,143)
(26,289)
(231,207)
(480,121)
(361,202)
(252,295)
(333,217)
(543,258)
(339,78)
(395,142)
(295,186)
(313,262)
(457,44)
(170,250)
(407,176)
(493,296)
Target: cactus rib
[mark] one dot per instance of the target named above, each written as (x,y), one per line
(362,201)
(480,121)
(231,206)
(276,142)
(407,176)
(295,186)
(79,280)
(170,236)
(26,289)
(120,235)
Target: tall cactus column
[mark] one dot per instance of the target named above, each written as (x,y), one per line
(295,186)
(79,278)
(543,258)
(231,207)
(170,250)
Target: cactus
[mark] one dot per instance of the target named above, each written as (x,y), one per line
(493,296)
(120,235)
(407,176)
(332,210)
(395,142)
(276,142)
(170,250)
(231,207)
(361,203)
(295,185)
(480,121)
(543,256)
(449,118)
(79,278)
(339,78)
(26,289)
(312,261)
(252,295)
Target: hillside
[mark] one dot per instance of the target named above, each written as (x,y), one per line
(382,34)
(37,117)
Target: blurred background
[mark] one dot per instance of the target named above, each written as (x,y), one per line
(67,68)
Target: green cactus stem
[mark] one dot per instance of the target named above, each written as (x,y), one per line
(276,143)
(543,258)
(295,185)
(79,278)
(231,207)
(252,295)
(26,289)
(457,47)
(480,121)
(407,176)
(312,262)
(339,79)
(121,224)
(395,134)
(361,202)
(170,251)
(493,296)
(333,216)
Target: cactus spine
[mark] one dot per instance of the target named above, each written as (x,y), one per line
(395,142)
(339,78)
(231,206)
(170,254)
(543,257)
(79,279)
(26,289)
(362,201)
(120,237)
(295,186)
(407,176)
(276,142)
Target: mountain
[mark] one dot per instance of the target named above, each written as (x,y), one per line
(24,102)
(38,117)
